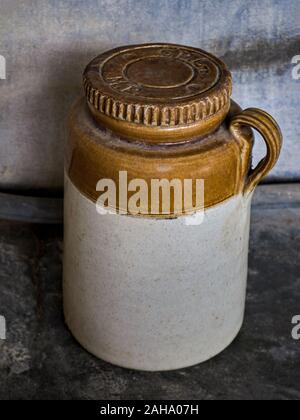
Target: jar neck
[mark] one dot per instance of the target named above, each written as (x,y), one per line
(160,134)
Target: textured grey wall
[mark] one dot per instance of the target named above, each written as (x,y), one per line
(47,44)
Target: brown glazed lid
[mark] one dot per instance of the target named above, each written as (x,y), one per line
(158,92)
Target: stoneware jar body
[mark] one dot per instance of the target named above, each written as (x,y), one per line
(159,290)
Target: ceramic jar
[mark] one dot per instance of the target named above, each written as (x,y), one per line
(148,286)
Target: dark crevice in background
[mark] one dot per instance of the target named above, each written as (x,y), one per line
(262,54)
(49,210)
(58,193)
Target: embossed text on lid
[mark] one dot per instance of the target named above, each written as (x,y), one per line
(157,85)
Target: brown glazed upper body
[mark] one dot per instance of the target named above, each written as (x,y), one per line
(161,111)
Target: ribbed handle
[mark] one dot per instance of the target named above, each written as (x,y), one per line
(271,133)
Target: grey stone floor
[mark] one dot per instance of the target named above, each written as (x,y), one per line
(41,360)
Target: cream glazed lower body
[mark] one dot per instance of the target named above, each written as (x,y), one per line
(152,294)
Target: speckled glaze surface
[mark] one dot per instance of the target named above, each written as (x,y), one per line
(155,294)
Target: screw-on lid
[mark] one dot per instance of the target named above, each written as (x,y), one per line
(159,92)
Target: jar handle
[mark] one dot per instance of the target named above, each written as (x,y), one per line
(271,133)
